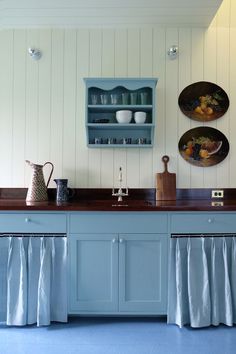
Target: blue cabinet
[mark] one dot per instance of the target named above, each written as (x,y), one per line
(32,222)
(202,222)
(117,272)
(25,222)
(106,96)
(143,273)
(93,273)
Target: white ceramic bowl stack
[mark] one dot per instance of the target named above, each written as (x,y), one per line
(124,116)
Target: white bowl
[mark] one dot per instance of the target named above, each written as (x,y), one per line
(124,117)
(140,117)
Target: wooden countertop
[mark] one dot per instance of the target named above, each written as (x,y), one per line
(138,200)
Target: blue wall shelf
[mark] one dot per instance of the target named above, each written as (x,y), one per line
(102,129)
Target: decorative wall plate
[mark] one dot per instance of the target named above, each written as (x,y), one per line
(203,101)
(203,146)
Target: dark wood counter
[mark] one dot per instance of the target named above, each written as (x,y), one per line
(138,200)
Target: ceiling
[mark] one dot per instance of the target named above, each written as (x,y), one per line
(115,13)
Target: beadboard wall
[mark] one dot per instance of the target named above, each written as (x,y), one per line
(42,103)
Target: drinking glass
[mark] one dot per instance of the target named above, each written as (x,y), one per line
(114,98)
(104,98)
(133,98)
(125,98)
(144,98)
(94,99)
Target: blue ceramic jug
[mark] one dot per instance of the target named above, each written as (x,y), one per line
(63,192)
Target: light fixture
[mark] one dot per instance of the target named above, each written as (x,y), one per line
(35,54)
(173,52)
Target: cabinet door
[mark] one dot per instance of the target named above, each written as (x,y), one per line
(93,273)
(143,273)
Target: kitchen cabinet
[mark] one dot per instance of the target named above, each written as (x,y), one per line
(93,273)
(143,273)
(106,96)
(117,272)
(118,260)
(207,222)
(21,223)
(32,222)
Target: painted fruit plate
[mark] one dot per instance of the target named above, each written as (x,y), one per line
(203,101)
(203,146)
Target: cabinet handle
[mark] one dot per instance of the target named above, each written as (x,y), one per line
(121,240)
(114,240)
(27,219)
(210,221)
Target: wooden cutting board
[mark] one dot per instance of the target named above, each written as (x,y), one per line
(165,183)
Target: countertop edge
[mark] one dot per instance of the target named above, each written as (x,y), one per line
(143,200)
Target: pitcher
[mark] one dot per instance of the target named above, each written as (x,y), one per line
(63,192)
(37,191)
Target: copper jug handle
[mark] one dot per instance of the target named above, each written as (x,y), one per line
(50,173)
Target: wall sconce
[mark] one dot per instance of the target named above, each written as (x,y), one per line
(173,52)
(35,54)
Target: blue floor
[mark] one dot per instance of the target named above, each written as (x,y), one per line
(117,336)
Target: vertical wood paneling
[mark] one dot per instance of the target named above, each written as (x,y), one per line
(197,74)
(69,113)
(6,105)
(133,155)
(232,115)
(171,101)
(232,14)
(159,71)
(133,53)
(32,82)
(184,124)
(57,101)
(223,81)
(44,98)
(121,70)
(95,70)
(223,15)
(210,74)
(121,53)
(18,103)
(146,68)
(223,18)
(108,70)
(42,103)
(82,171)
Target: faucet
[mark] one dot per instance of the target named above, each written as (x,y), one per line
(120,193)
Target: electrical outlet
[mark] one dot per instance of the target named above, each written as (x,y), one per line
(218,193)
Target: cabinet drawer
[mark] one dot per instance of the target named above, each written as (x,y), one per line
(118,222)
(35,223)
(203,223)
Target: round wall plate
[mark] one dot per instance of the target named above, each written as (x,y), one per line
(203,101)
(203,146)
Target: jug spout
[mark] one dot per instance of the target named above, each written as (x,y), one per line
(33,165)
(37,191)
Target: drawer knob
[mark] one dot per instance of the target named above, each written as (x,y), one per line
(121,240)
(27,219)
(114,240)
(210,221)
